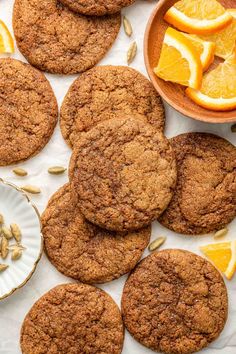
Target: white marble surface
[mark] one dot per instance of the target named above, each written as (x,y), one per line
(14,309)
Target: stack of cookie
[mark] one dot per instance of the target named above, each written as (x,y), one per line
(122,175)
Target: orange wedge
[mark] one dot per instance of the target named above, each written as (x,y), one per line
(218,91)
(225,39)
(205,49)
(179,61)
(223,256)
(198,16)
(6,40)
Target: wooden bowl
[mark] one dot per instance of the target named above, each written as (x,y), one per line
(174,94)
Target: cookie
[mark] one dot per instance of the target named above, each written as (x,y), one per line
(205,195)
(175,302)
(123,173)
(71,319)
(57,40)
(97,7)
(28,111)
(84,251)
(107,92)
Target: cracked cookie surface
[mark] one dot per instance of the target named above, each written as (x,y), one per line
(55,39)
(175,302)
(123,173)
(205,195)
(28,111)
(107,92)
(97,7)
(84,251)
(73,319)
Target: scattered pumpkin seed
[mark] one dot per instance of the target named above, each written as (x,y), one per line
(56,170)
(16,232)
(127,26)
(7,232)
(233,128)
(20,172)
(3,267)
(131,54)
(16,254)
(156,244)
(1,219)
(31,189)
(221,233)
(4,248)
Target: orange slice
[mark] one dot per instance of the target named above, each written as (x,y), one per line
(223,256)
(6,40)
(198,16)
(225,39)
(218,91)
(205,49)
(179,61)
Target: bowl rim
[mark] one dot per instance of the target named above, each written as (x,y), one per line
(18,189)
(157,87)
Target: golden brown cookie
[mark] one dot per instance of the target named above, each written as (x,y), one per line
(71,319)
(123,172)
(175,302)
(57,40)
(28,111)
(106,92)
(84,251)
(97,7)
(205,195)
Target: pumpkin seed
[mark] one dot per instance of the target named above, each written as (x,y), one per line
(7,232)
(16,254)
(20,172)
(4,248)
(16,232)
(156,244)
(56,170)
(3,267)
(127,26)
(233,128)
(131,54)
(31,189)
(221,233)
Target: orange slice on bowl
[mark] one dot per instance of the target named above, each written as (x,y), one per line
(225,39)
(198,16)
(223,256)
(6,40)
(218,90)
(232,12)
(179,61)
(205,49)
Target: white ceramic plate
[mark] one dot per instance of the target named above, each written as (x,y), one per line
(16,207)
